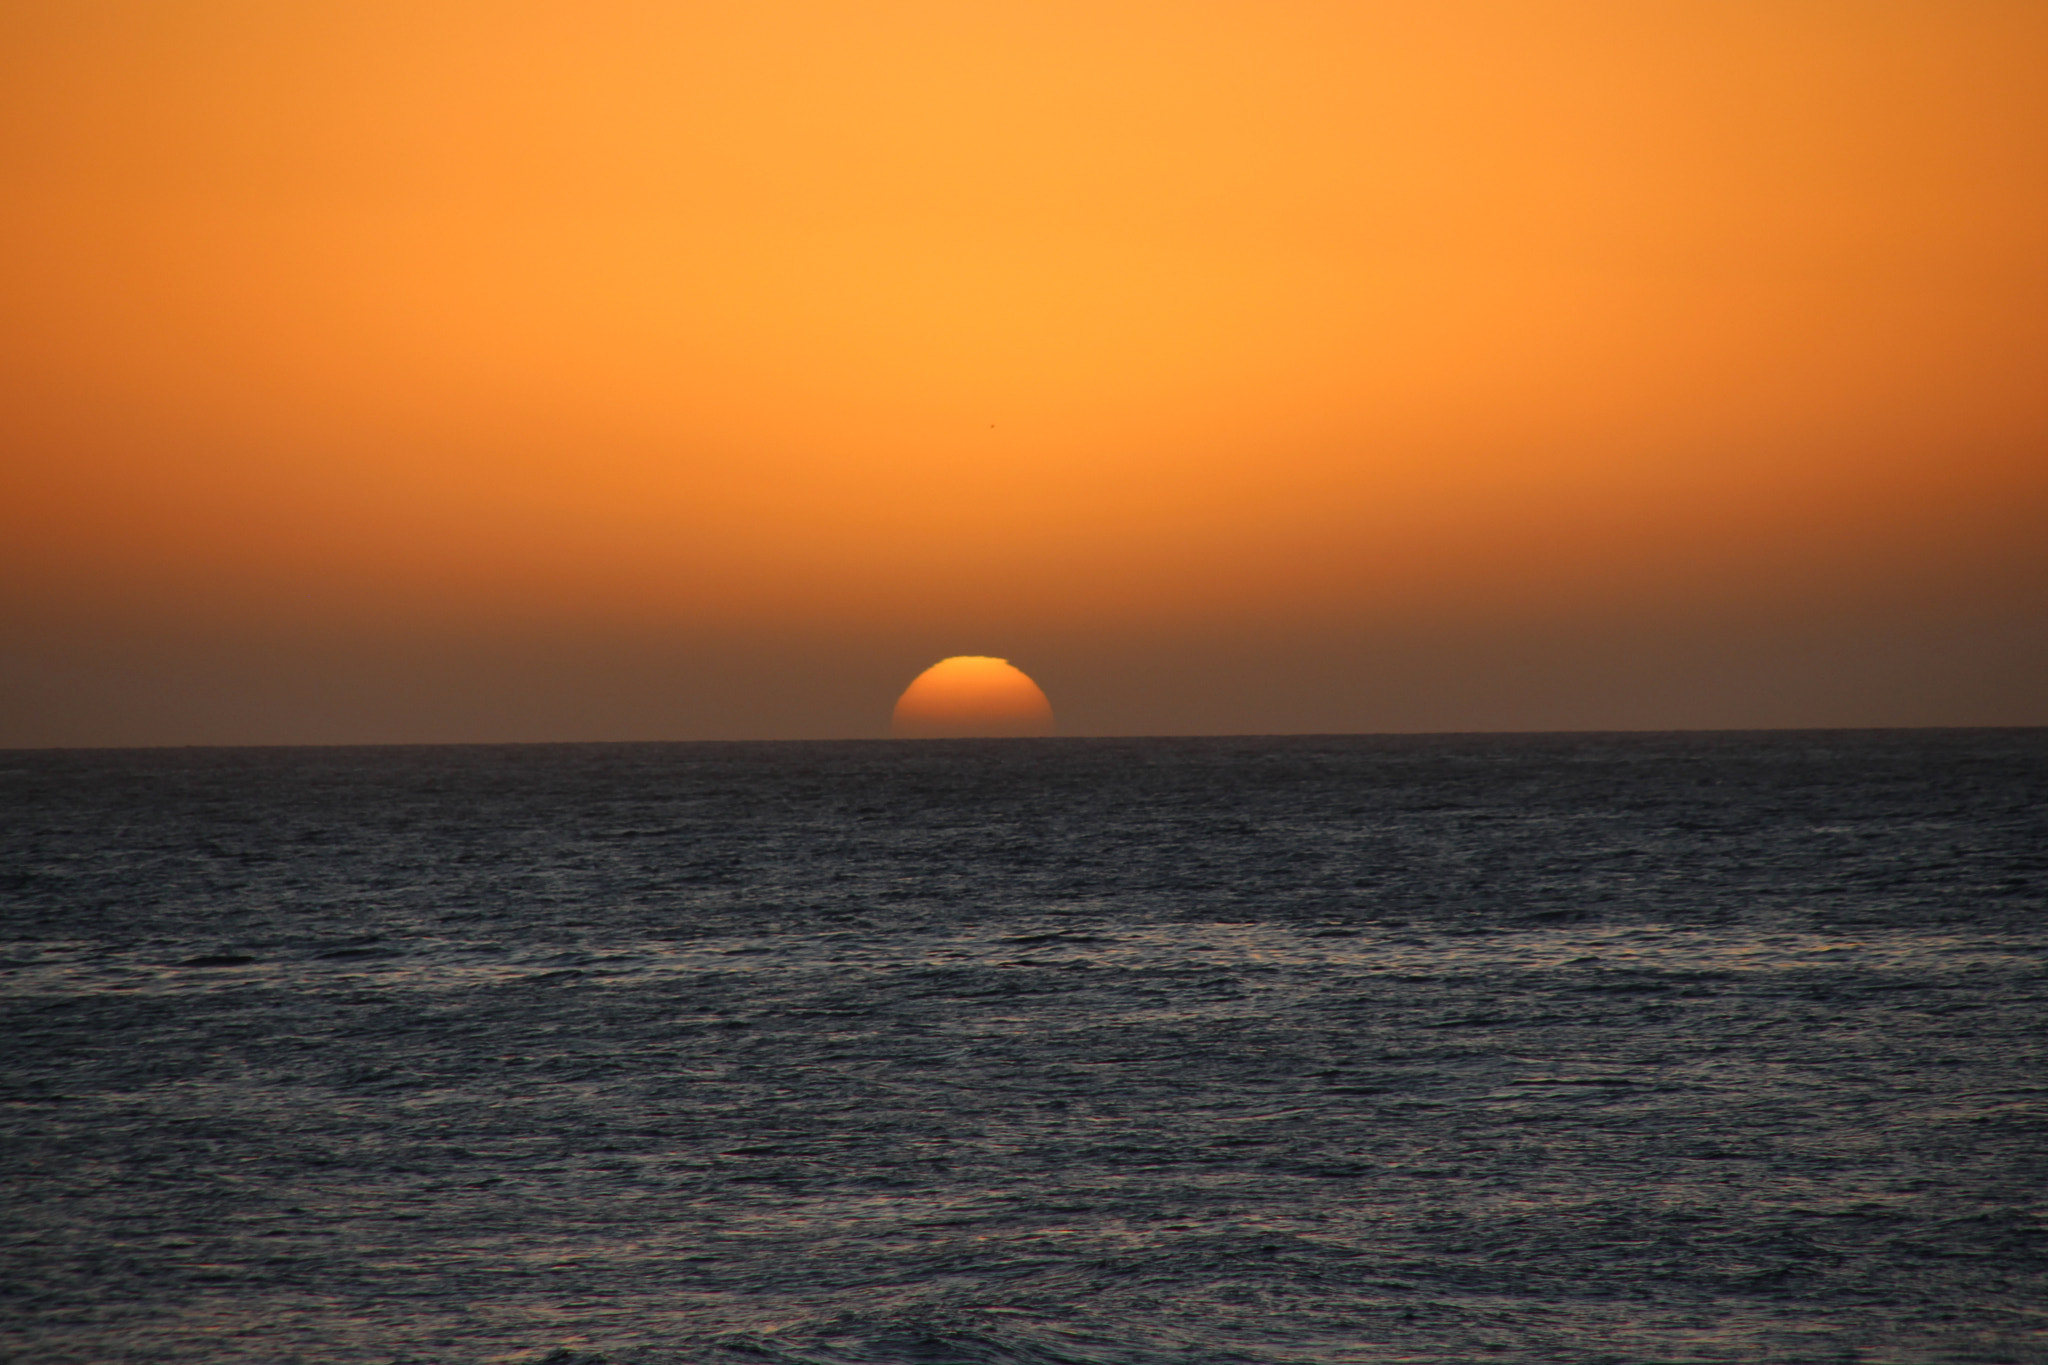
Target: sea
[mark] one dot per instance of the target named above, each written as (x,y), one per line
(1335,1049)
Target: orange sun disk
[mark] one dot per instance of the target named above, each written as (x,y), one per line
(971,696)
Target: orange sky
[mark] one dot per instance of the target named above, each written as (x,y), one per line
(894,330)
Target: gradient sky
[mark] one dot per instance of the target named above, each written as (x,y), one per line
(476,371)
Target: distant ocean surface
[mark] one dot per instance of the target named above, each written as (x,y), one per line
(1560,1048)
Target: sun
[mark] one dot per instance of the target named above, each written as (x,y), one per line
(971,696)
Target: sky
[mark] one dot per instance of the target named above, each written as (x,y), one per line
(443,372)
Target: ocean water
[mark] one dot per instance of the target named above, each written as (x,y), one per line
(1709,1047)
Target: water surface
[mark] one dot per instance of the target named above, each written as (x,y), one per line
(1683,1047)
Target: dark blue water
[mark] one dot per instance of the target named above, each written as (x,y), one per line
(1520,1048)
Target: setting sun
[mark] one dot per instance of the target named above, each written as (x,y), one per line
(971,696)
